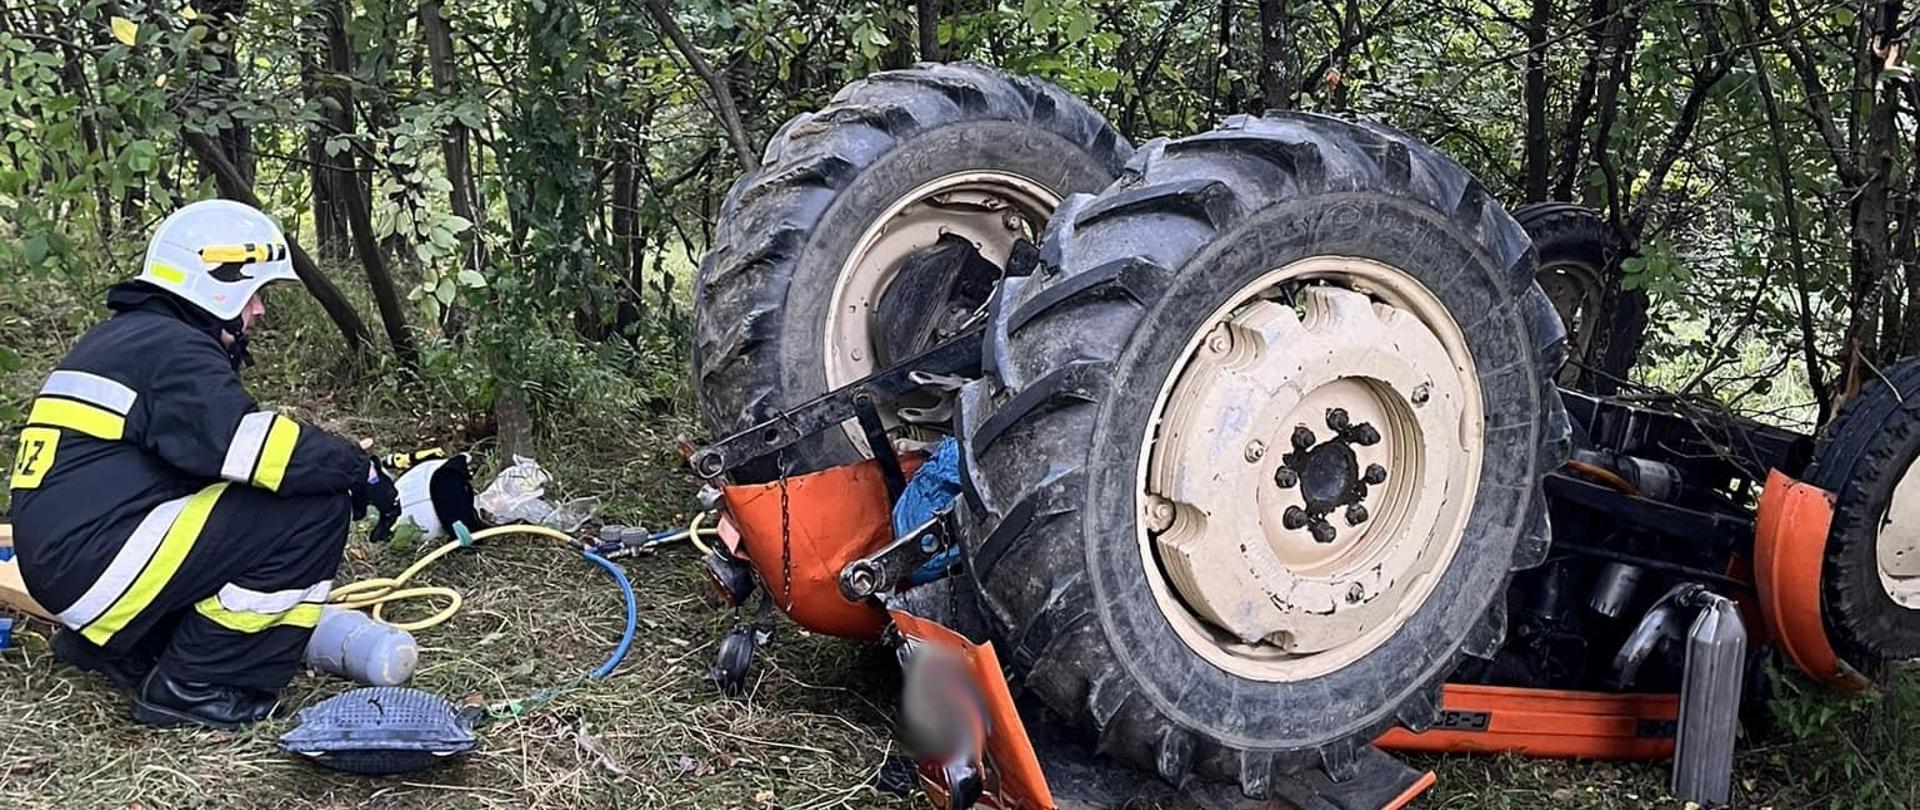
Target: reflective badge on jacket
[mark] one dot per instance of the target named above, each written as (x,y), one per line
(30,464)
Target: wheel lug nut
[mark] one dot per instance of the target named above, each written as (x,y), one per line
(1365,435)
(1337,418)
(1355,593)
(1286,478)
(1302,438)
(1356,514)
(1422,393)
(1255,450)
(1294,517)
(1322,532)
(1376,474)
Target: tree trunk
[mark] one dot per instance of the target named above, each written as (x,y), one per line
(1572,136)
(1220,95)
(227,177)
(335,182)
(1274,87)
(1538,151)
(385,298)
(927,22)
(717,87)
(453,141)
(1871,248)
(222,18)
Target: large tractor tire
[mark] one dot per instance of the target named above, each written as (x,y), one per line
(1578,249)
(789,304)
(1262,441)
(1871,576)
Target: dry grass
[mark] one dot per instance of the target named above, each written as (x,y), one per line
(811,733)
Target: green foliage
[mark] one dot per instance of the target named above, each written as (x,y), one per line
(596,162)
(1850,750)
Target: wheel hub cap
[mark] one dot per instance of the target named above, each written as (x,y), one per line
(1897,548)
(1312,467)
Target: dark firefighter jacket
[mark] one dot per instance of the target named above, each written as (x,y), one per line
(146,410)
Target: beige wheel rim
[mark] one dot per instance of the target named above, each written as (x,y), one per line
(1575,292)
(1897,546)
(991,209)
(1310,467)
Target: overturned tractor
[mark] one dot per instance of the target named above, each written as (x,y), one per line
(1242,453)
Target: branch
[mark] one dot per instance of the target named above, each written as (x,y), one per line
(728,114)
(1777,130)
(227,177)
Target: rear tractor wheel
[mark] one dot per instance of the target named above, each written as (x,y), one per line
(1263,440)
(813,284)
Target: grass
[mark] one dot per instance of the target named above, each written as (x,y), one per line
(811,732)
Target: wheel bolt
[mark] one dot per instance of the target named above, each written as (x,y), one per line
(1356,514)
(1376,474)
(1337,418)
(1365,435)
(1323,532)
(1256,449)
(1219,341)
(1302,438)
(1355,593)
(1285,478)
(1294,517)
(1422,393)
(1159,513)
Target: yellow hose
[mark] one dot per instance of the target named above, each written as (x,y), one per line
(380,591)
(693,533)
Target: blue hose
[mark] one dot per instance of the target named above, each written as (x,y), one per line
(633,615)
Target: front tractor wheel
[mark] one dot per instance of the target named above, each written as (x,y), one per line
(1263,441)
(1871,577)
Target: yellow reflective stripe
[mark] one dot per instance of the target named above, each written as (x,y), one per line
(305,614)
(160,569)
(167,272)
(78,416)
(277,454)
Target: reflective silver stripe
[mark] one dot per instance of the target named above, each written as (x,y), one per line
(236,598)
(126,565)
(92,389)
(244,452)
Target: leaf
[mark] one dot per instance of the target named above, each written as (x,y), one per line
(472,278)
(444,292)
(124,30)
(36,248)
(187,13)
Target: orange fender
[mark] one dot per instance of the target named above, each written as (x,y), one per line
(799,532)
(1789,550)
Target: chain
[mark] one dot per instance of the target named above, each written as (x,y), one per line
(786,536)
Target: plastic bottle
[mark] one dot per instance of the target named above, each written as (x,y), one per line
(352,645)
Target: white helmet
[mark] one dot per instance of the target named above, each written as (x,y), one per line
(216,254)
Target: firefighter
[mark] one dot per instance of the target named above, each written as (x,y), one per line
(185,537)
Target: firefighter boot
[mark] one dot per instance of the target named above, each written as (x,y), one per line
(124,669)
(165,702)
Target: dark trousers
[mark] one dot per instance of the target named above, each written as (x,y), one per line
(240,607)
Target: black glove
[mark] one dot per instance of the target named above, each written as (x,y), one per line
(378,492)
